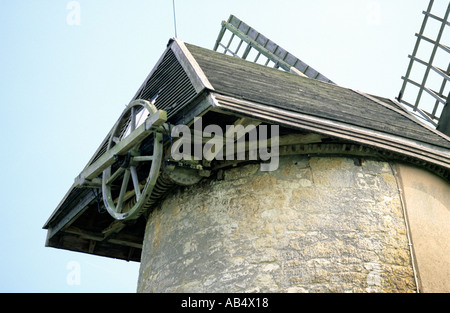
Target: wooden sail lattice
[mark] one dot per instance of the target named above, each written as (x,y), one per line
(238,39)
(425,87)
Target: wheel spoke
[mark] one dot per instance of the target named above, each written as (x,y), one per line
(143,158)
(116,186)
(133,119)
(135,179)
(123,190)
(115,175)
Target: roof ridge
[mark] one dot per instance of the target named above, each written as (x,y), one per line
(196,68)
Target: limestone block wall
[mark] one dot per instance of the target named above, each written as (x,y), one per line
(317,224)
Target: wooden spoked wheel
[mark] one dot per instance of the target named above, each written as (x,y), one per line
(127,184)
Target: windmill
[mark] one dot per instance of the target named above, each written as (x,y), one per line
(425,89)
(357,143)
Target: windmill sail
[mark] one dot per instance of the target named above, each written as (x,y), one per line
(248,44)
(425,85)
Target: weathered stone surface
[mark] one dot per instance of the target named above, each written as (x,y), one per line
(427,200)
(319,224)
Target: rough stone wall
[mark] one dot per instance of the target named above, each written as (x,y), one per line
(319,224)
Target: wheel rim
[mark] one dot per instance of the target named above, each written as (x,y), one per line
(125,190)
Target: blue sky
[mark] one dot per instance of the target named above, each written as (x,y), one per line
(63,86)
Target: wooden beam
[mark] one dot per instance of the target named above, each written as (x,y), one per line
(70,217)
(120,239)
(190,66)
(244,122)
(286,140)
(392,142)
(113,228)
(92,246)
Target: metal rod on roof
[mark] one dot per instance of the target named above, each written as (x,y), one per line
(174,18)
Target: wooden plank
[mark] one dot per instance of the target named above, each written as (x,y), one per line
(434,68)
(286,140)
(91,246)
(72,215)
(219,38)
(391,142)
(244,122)
(190,66)
(124,240)
(436,18)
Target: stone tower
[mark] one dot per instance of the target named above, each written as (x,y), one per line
(278,183)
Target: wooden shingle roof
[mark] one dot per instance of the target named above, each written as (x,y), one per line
(279,89)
